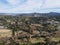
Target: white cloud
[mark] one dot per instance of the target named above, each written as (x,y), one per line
(29,6)
(51,4)
(14,2)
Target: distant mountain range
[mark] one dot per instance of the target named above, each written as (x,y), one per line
(32,14)
(51,14)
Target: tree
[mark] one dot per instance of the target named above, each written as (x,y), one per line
(14,26)
(47,40)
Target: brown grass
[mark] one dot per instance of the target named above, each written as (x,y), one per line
(5,33)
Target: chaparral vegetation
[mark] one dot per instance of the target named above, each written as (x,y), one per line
(29,30)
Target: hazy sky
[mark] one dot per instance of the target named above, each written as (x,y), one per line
(28,6)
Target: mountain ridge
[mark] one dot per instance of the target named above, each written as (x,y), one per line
(32,14)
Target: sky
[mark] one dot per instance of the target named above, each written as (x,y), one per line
(29,6)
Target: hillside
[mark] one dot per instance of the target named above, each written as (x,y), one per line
(30,29)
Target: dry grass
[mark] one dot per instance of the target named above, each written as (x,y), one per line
(56,39)
(35,40)
(5,33)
